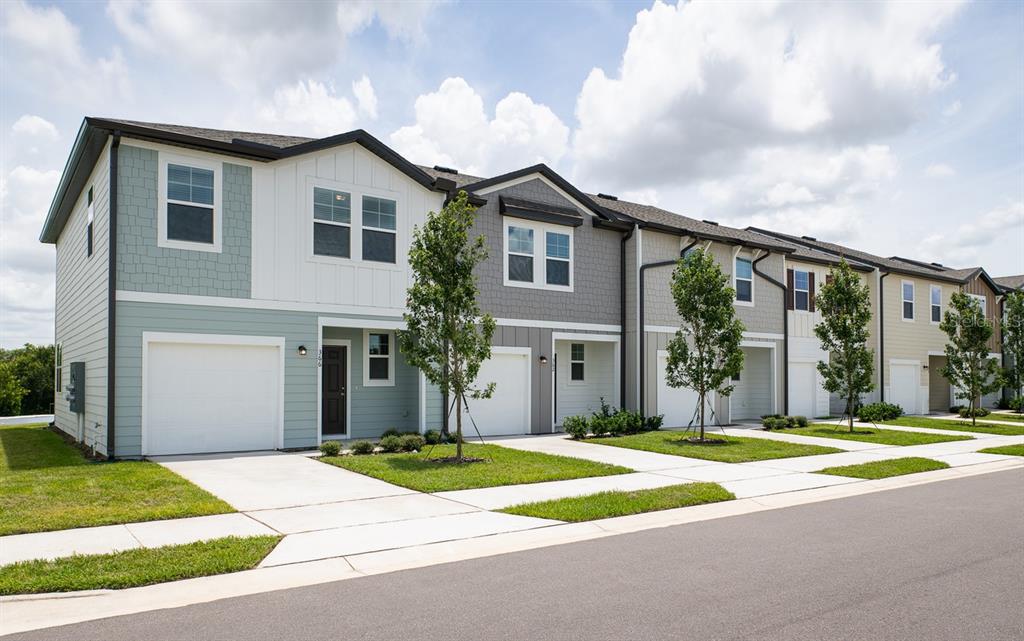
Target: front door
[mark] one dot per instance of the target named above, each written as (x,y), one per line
(335,386)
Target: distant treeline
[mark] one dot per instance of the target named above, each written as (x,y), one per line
(26,380)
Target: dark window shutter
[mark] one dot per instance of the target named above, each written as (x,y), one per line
(789,289)
(810,291)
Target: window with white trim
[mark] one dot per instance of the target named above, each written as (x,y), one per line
(538,255)
(577,362)
(801,290)
(557,252)
(378,358)
(908,300)
(332,222)
(935,294)
(520,254)
(58,366)
(90,211)
(380,224)
(743,277)
(189,209)
(981,300)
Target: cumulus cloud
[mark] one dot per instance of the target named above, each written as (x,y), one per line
(452,128)
(31,126)
(952,109)
(939,170)
(306,108)
(366,98)
(970,243)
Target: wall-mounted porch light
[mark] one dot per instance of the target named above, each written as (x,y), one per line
(543,360)
(302,350)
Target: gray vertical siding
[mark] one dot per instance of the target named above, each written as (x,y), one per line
(539,341)
(145,267)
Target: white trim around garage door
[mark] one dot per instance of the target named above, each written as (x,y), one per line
(213,339)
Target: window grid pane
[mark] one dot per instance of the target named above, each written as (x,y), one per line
(576,351)
(331,240)
(800,280)
(520,240)
(557,272)
(576,371)
(189,224)
(908,292)
(743,269)
(520,268)
(379,344)
(378,246)
(379,213)
(190,184)
(331,205)
(558,245)
(936,296)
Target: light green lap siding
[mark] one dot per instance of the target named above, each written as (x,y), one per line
(143,266)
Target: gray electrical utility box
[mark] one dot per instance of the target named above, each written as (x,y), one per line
(76,388)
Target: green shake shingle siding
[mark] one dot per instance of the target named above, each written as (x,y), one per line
(144,266)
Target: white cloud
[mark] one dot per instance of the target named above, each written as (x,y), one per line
(306,108)
(453,129)
(952,109)
(939,170)
(970,244)
(366,98)
(31,126)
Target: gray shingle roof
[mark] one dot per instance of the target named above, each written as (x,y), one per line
(817,256)
(220,135)
(461,180)
(1010,282)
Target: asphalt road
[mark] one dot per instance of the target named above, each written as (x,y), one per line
(937,561)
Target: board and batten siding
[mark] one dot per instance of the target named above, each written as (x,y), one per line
(283,265)
(81,308)
(978,286)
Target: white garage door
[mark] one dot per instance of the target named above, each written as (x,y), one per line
(803,388)
(678,404)
(903,387)
(211,398)
(508,410)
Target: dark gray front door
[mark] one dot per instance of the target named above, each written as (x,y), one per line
(334,392)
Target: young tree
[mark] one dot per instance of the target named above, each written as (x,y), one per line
(845,305)
(705,354)
(968,366)
(1013,344)
(446,336)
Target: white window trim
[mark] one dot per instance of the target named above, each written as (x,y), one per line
(753,296)
(540,231)
(355,250)
(797,289)
(931,304)
(392,351)
(165,159)
(314,221)
(569,379)
(912,301)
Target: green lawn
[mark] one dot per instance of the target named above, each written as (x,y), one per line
(133,568)
(873,435)
(735,450)
(959,425)
(608,504)
(885,469)
(1011,450)
(48,485)
(1003,417)
(504,466)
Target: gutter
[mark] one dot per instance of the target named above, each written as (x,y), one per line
(785,333)
(111,290)
(622,315)
(881,336)
(641,332)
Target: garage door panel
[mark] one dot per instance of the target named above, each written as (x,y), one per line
(903,387)
(211,398)
(679,404)
(803,386)
(507,411)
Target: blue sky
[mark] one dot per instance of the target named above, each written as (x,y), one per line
(898,128)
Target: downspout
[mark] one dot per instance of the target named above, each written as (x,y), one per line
(785,332)
(641,332)
(622,315)
(115,143)
(881,337)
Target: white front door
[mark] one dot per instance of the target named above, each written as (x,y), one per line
(803,388)
(679,404)
(508,410)
(903,386)
(208,397)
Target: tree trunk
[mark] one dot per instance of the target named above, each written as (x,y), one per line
(849,411)
(458,429)
(447,416)
(701,399)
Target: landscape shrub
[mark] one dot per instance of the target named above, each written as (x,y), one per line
(411,442)
(576,427)
(432,437)
(654,423)
(955,409)
(1003,403)
(630,422)
(390,432)
(362,447)
(1015,403)
(391,443)
(978,412)
(330,448)
(801,421)
(875,412)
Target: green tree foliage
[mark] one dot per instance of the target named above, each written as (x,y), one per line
(845,306)
(11,391)
(705,353)
(968,366)
(32,368)
(446,336)
(1013,343)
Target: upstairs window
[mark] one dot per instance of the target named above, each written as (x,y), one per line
(520,254)
(189,211)
(557,252)
(981,300)
(577,362)
(379,229)
(88,224)
(332,223)
(801,290)
(936,303)
(744,280)
(538,255)
(908,300)
(378,361)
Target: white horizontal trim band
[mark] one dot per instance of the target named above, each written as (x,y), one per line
(542,324)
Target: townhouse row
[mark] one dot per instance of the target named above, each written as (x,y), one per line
(229,291)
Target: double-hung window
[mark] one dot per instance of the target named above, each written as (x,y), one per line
(801,290)
(332,223)
(936,303)
(189,210)
(981,300)
(88,224)
(379,229)
(577,362)
(378,363)
(744,277)
(557,259)
(520,254)
(908,300)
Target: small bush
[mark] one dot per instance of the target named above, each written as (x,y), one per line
(411,442)
(330,448)
(1015,403)
(876,412)
(391,443)
(1003,403)
(432,437)
(362,447)
(576,427)
(955,409)
(630,422)
(654,423)
(978,412)
(390,432)
(801,421)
